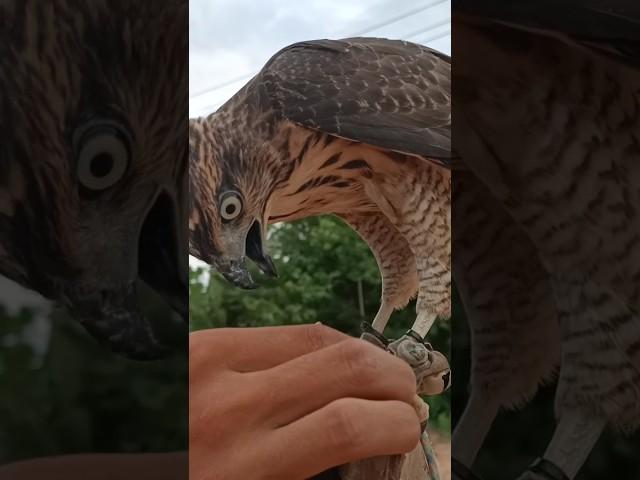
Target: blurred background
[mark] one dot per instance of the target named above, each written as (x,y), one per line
(62,393)
(518,437)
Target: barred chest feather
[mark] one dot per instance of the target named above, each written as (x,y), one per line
(336,175)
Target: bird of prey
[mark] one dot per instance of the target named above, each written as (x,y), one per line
(358,128)
(546,224)
(94,159)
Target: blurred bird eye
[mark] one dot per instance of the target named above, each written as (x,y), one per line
(103,158)
(230,206)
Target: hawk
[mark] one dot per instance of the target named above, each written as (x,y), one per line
(94,159)
(545,207)
(358,128)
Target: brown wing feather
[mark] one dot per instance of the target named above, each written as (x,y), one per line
(391,94)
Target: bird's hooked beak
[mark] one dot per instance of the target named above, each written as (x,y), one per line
(114,314)
(114,318)
(234,268)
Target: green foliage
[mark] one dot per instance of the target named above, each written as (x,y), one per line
(322,265)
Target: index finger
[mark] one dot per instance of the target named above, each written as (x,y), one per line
(261,348)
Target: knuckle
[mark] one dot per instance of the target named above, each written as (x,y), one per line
(207,347)
(316,336)
(227,404)
(360,362)
(240,406)
(345,430)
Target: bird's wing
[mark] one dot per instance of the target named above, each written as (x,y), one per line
(609,27)
(390,94)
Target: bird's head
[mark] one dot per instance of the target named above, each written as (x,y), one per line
(231,184)
(93,163)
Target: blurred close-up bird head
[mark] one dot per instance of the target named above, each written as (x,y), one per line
(93,161)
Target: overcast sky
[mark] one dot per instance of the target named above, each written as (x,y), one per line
(230,39)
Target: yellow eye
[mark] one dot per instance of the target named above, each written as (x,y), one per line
(102,160)
(230,206)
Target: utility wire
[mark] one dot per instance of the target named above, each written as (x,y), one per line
(397,19)
(426,41)
(221,85)
(433,26)
(356,34)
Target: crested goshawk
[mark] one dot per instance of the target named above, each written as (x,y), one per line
(358,128)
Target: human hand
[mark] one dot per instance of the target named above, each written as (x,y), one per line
(286,403)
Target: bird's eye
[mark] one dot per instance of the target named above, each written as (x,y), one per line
(102,158)
(230,206)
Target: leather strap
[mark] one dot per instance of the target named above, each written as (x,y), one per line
(372,335)
(413,334)
(548,469)
(461,472)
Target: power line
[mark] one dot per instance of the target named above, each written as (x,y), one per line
(221,85)
(397,19)
(369,29)
(426,41)
(433,26)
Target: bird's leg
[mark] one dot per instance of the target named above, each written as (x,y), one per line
(424,322)
(573,440)
(472,428)
(434,293)
(382,317)
(395,260)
